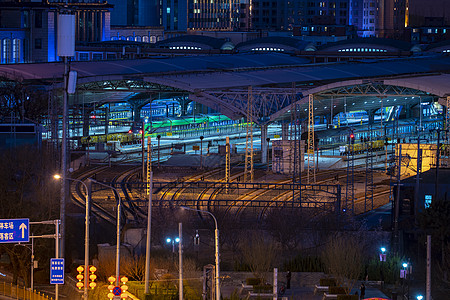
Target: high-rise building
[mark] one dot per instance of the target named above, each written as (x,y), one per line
(172,15)
(266,15)
(28,29)
(364,15)
(177,15)
(213,15)
(426,13)
(136,12)
(308,12)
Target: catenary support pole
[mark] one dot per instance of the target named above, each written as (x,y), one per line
(149,231)
(180,259)
(428,285)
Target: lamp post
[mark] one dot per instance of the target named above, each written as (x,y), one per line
(86,234)
(149,231)
(405,275)
(159,140)
(173,241)
(383,254)
(216,239)
(119,209)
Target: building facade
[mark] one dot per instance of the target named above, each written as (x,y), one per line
(28,29)
(222,15)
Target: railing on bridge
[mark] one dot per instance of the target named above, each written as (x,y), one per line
(17,292)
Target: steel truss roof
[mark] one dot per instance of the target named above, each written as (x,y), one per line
(371,89)
(134,85)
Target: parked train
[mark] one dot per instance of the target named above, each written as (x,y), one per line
(359,148)
(158,109)
(123,138)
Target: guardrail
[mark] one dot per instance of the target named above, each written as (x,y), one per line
(16,292)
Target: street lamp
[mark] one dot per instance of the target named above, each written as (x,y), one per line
(216,239)
(173,241)
(405,274)
(383,254)
(419,297)
(86,234)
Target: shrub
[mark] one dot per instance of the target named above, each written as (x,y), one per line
(304,264)
(327,282)
(386,271)
(336,290)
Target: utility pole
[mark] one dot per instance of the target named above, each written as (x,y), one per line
(159,139)
(65,49)
(428,285)
(397,201)
(436,184)
(201,151)
(180,260)
(419,167)
(149,227)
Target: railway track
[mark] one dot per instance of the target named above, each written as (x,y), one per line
(174,193)
(78,196)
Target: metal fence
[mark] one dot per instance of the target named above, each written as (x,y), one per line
(17,292)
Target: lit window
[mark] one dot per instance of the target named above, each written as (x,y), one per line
(16,50)
(6,50)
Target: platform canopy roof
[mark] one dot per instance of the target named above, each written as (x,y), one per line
(205,77)
(233,71)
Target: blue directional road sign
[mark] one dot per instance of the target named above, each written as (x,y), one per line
(57,271)
(14,230)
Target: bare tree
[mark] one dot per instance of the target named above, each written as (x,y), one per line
(134,267)
(259,253)
(22,102)
(286,225)
(26,192)
(343,258)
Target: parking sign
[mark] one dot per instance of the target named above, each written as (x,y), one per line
(57,271)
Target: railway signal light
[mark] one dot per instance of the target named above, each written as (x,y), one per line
(352,138)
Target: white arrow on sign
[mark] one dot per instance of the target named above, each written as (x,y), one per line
(23,227)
